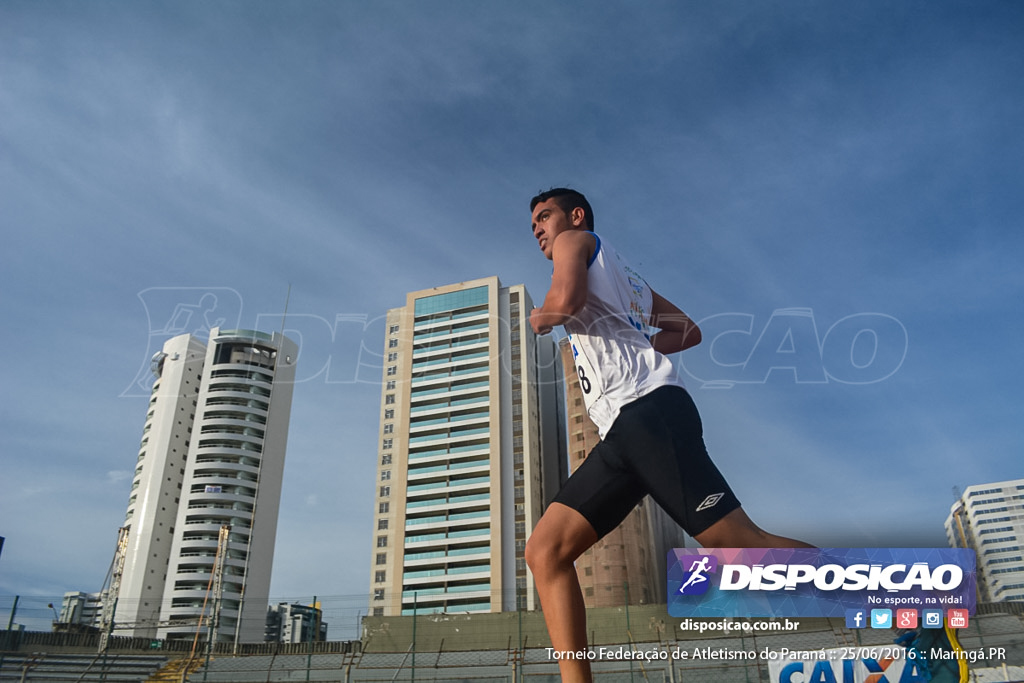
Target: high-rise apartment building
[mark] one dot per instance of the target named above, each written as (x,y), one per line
(627,566)
(205,496)
(469,396)
(990,519)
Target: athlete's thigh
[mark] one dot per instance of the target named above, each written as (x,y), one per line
(561,534)
(602,490)
(669,457)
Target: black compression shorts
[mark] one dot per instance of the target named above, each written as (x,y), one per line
(655,446)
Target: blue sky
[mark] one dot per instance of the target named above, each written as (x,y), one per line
(852,168)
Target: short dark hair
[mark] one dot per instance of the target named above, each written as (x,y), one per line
(567,200)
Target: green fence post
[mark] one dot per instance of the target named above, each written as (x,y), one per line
(8,640)
(415,604)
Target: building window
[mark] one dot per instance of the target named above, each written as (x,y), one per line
(386,444)
(392,343)
(393,356)
(389,428)
(380,577)
(385,459)
(383,508)
(393,329)
(392,370)
(385,491)
(382,541)
(378,593)
(389,414)
(389,399)
(385,475)
(382,558)
(382,524)
(391,385)
(378,611)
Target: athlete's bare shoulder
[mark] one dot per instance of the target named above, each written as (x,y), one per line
(574,244)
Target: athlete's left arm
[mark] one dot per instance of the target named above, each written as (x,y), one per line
(568,294)
(676,332)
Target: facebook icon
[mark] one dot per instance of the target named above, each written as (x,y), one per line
(856,618)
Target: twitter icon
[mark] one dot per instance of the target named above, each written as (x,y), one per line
(881,618)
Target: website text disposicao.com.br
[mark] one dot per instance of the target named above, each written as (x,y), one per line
(730,626)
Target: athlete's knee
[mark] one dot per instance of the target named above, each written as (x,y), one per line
(546,553)
(534,558)
(539,554)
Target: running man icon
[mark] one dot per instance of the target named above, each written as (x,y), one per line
(697,570)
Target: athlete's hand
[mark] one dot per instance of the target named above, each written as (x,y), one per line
(536,323)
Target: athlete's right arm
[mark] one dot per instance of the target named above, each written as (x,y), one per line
(568,293)
(676,332)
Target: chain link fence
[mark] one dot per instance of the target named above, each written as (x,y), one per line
(636,644)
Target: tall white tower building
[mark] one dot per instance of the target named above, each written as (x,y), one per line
(212,456)
(468,398)
(156,487)
(990,519)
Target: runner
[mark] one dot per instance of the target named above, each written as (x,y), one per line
(651,435)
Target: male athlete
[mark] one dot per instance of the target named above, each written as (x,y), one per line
(651,435)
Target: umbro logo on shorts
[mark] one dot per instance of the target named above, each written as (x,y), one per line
(710,502)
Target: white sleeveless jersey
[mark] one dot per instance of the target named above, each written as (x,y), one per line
(610,339)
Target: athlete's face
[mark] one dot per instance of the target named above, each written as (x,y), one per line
(550,221)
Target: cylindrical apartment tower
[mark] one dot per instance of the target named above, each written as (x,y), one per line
(232,477)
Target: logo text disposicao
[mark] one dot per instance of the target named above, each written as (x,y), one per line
(830,577)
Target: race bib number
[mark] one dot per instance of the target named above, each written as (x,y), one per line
(590,381)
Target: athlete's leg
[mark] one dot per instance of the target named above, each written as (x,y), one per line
(672,461)
(736,530)
(562,535)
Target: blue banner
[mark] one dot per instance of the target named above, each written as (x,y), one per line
(870,587)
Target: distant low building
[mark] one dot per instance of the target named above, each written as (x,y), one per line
(79,612)
(294,623)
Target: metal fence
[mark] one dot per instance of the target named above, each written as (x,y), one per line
(513,647)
